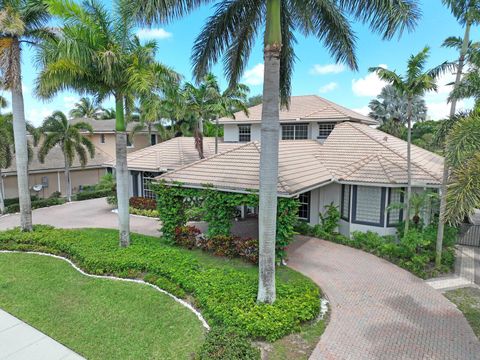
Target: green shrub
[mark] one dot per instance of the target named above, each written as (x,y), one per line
(107,182)
(85,195)
(231,246)
(186,236)
(14,208)
(226,294)
(16,200)
(55,194)
(224,344)
(329,220)
(147,213)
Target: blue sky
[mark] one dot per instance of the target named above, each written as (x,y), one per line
(315,71)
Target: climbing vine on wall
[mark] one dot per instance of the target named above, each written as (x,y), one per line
(219,209)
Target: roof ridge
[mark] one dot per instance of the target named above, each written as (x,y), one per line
(360,163)
(379,157)
(390,149)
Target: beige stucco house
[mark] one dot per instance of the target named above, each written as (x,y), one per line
(328,154)
(51,173)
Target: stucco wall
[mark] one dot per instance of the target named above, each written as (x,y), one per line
(79,177)
(140,141)
(231,132)
(322,197)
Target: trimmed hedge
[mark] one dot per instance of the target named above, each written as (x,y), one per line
(16,200)
(225,291)
(37,204)
(85,195)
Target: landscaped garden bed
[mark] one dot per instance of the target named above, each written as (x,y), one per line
(224,290)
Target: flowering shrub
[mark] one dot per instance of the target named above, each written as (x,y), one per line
(143,203)
(186,236)
(231,246)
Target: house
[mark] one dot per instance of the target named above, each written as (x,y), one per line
(348,163)
(50,175)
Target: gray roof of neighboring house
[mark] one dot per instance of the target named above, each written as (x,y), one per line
(105,126)
(353,153)
(55,161)
(171,154)
(301,109)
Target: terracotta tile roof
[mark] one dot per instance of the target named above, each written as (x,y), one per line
(237,168)
(171,154)
(353,153)
(304,108)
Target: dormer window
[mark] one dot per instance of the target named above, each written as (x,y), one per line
(294,131)
(324,129)
(244,133)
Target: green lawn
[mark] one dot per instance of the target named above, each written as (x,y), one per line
(98,318)
(223,289)
(468,301)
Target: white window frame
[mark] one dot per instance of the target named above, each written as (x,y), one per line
(325,129)
(381,204)
(246,132)
(294,131)
(305,202)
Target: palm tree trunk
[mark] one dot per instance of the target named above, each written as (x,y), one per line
(216,134)
(409,165)
(443,189)
(198,136)
(68,181)
(269,155)
(20,138)
(122,174)
(2,195)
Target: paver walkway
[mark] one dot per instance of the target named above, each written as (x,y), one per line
(378,310)
(19,341)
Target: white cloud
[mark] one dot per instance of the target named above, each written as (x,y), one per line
(370,85)
(69,102)
(254,76)
(364,110)
(37,115)
(318,69)
(158,33)
(328,87)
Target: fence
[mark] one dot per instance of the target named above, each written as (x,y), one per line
(469,235)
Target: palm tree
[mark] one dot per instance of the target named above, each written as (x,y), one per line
(415,83)
(85,108)
(231,33)
(462,152)
(107,114)
(58,131)
(21,22)
(200,101)
(390,109)
(467,12)
(98,54)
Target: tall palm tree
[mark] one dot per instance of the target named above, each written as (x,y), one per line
(21,22)
(58,131)
(107,114)
(416,82)
(467,12)
(85,108)
(389,108)
(231,32)
(97,53)
(200,100)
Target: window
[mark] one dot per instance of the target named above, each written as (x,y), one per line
(395,196)
(324,129)
(129,141)
(304,208)
(102,138)
(147,178)
(345,211)
(368,205)
(244,133)
(153,139)
(294,131)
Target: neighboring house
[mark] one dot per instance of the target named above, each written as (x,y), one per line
(51,173)
(328,154)
(146,164)
(103,136)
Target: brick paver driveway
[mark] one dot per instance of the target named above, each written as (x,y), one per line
(379,311)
